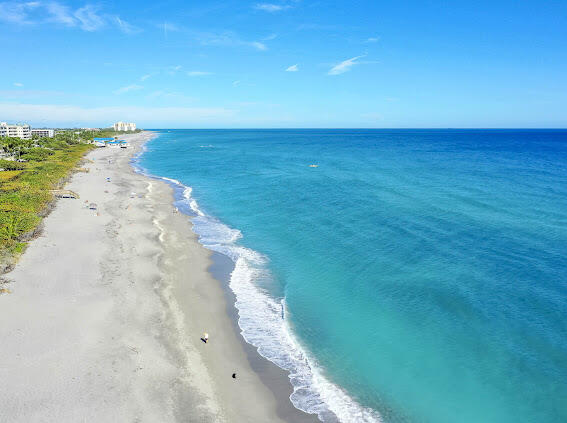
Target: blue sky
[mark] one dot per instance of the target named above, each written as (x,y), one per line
(289,63)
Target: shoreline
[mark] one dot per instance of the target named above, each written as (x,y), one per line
(107,308)
(220,268)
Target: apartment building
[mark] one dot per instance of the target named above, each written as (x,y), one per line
(124,126)
(18,131)
(43,133)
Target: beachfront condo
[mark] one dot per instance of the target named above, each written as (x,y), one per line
(124,126)
(43,133)
(19,130)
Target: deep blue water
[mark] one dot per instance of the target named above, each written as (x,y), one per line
(414,275)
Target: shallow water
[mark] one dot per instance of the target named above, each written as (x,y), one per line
(414,275)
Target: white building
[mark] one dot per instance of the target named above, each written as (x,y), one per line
(43,133)
(17,131)
(123,126)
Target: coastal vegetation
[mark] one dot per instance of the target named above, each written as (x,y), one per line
(29,169)
(106,133)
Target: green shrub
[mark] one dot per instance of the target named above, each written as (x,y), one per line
(11,165)
(14,225)
(25,194)
(36,154)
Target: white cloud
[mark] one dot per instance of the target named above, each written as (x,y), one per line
(270,7)
(68,115)
(128,88)
(125,27)
(372,40)
(17,12)
(144,77)
(18,84)
(168,27)
(258,45)
(198,73)
(236,83)
(172,70)
(293,68)
(230,39)
(344,66)
(86,17)
(89,19)
(59,13)
(270,37)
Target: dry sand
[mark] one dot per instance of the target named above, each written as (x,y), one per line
(106,311)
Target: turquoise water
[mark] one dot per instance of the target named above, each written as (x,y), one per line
(413,276)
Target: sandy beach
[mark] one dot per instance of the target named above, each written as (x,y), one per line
(107,308)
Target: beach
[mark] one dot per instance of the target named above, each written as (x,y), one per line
(106,309)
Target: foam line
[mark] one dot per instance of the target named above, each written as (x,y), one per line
(274,339)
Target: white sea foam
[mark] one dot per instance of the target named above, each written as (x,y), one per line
(274,339)
(192,203)
(313,392)
(173,181)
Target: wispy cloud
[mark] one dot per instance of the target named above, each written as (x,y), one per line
(18,84)
(89,19)
(168,27)
(344,66)
(59,13)
(270,37)
(293,68)
(230,39)
(17,12)
(128,88)
(270,7)
(125,27)
(258,45)
(236,83)
(144,77)
(172,70)
(372,40)
(198,73)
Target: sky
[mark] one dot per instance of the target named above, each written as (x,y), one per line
(285,64)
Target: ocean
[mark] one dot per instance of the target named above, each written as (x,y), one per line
(399,275)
